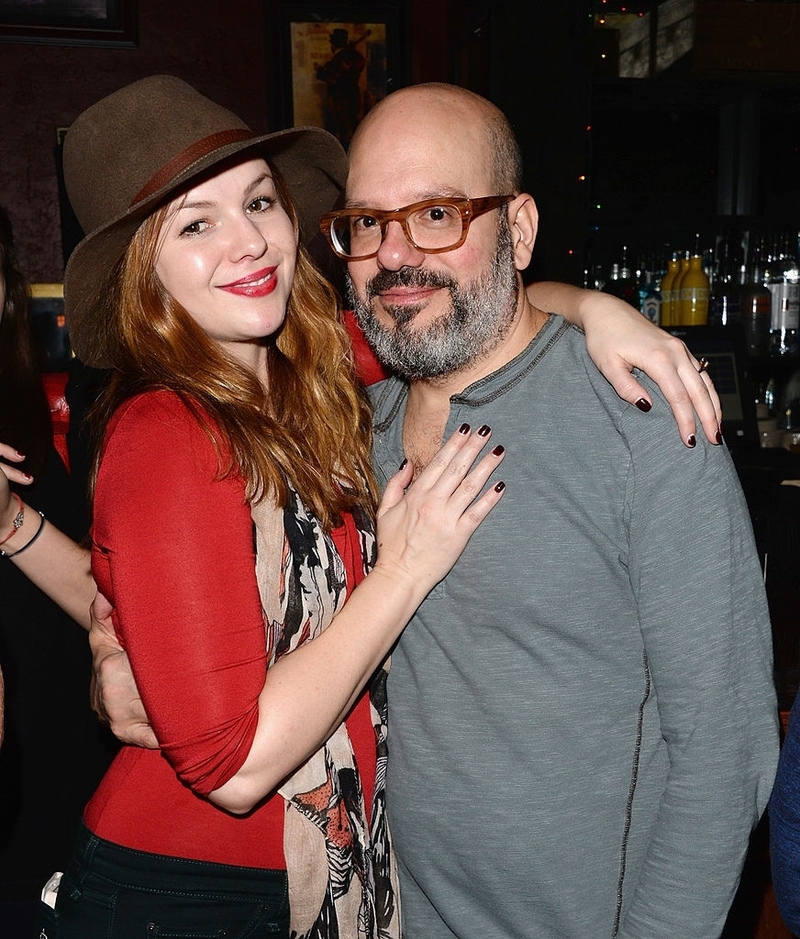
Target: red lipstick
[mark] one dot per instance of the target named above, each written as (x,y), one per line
(259,284)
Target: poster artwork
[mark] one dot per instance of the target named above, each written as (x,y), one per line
(338,72)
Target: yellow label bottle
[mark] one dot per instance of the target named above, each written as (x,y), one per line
(694,294)
(676,307)
(667,291)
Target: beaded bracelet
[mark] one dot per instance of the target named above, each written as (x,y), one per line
(13,554)
(19,518)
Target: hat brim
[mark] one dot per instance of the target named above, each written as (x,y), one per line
(313,165)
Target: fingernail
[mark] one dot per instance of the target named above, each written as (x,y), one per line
(643,404)
(404,464)
(718,437)
(691,441)
(484,431)
(500,486)
(464,429)
(21,455)
(499,450)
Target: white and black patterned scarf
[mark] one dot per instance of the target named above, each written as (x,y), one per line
(342,874)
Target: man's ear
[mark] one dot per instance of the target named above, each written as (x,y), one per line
(523,220)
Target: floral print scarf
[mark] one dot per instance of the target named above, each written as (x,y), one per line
(341,871)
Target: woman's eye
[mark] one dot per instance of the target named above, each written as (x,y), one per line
(194,228)
(261,204)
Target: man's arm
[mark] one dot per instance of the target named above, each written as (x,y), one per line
(619,339)
(706,632)
(115,697)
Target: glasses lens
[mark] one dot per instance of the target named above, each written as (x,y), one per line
(435,226)
(356,236)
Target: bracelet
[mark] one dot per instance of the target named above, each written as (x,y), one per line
(13,554)
(19,518)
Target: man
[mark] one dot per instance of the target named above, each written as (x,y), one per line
(583,721)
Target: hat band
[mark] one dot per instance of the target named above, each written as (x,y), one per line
(190,155)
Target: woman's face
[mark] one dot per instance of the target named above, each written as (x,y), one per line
(227,255)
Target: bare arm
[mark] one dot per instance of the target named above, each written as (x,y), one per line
(619,339)
(55,563)
(422,530)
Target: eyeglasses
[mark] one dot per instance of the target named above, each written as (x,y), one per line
(432,226)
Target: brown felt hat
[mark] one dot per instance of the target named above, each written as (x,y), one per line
(135,149)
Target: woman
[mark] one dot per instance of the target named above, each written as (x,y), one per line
(230,364)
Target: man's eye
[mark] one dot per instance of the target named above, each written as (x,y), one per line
(439,213)
(364,222)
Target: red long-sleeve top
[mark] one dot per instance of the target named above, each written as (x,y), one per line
(173,551)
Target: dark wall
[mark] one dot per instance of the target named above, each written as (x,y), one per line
(541,78)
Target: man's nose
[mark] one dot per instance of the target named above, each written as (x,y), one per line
(396,250)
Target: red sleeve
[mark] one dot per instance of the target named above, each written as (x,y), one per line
(174,553)
(368,366)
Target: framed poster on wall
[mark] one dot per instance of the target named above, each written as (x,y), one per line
(76,23)
(334,61)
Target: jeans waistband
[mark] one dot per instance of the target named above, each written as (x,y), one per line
(121,865)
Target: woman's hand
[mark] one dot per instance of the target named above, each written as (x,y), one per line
(10,474)
(424,525)
(619,339)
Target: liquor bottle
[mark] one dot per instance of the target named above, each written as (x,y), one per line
(652,302)
(676,312)
(694,293)
(784,285)
(667,291)
(755,302)
(724,302)
(621,282)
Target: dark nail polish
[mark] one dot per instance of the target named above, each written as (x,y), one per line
(691,441)
(500,486)
(404,464)
(484,431)
(718,437)
(643,404)
(464,429)
(499,450)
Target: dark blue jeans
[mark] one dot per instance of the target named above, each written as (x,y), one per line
(112,892)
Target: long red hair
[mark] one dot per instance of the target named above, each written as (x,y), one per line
(312,427)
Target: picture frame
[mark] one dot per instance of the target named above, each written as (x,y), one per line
(110,23)
(334,61)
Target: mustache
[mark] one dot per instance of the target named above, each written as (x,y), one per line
(407,277)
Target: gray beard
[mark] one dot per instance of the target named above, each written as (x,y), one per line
(478,318)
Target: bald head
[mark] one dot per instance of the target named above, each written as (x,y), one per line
(442,119)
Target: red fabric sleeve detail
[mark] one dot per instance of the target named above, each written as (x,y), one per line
(368,366)
(55,384)
(174,553)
